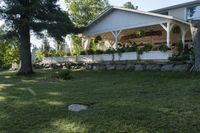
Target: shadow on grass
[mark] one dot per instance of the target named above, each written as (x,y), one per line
(126,102)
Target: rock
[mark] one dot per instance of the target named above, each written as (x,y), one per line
(58,64)
(110,67)
(101,67)
(47,66)
(167,67)
(95,67)
(120,67)
(88,66)
(130,67)
(77,107)
(181,68)
(36,66)
(152,67)
(139,68)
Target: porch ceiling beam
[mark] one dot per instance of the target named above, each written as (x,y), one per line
(164,27)
(93,33)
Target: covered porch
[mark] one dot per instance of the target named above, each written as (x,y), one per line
(119,27)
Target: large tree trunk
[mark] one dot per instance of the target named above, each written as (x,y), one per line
(196,38)
(25,51)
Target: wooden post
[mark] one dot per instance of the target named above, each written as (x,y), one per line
(116,37)
(86,42)
(168,34)
(183,34)
(168,29)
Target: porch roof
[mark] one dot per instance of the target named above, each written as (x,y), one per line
(117,18)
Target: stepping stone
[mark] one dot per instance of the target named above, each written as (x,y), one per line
(77,107)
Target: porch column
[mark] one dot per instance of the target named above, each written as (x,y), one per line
(86,42)
(168,29)
(183,34)
(116,37)
(168,34)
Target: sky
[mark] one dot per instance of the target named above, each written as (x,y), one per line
(145,5)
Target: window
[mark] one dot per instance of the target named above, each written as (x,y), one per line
(193,13)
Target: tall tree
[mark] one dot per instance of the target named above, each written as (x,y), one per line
(195,27)
(83,11)
(129,5)
(24,16)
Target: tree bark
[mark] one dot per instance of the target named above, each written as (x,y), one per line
(25,51)
(196,40)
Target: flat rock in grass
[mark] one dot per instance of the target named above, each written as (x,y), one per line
(77,107)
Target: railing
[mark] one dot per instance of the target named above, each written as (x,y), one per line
(127,56)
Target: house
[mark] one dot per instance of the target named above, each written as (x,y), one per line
(167,26)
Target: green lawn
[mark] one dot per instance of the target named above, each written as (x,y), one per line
(124,102)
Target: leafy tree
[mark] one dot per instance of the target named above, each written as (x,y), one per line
(83,11)
(9,50)
(77,45)
(24,16)
(129,5)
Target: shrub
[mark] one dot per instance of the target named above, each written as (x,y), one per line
(39,56)
(99,52)
(163,48)
(121,50)
(68,54)
(140,51)
(147,47)
(97,39)
(82,53)
(180,58)
(131,49)
(110,51)
(54,53)
(180,47)
(6,66)
(140,33)
(90,52)
(62,74)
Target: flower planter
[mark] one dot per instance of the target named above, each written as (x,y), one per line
(151,55)
(85,58)
(156,55)
(103,57)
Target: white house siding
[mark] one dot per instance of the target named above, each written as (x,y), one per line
(119,19)
(179,13)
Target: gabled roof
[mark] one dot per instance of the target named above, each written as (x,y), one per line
(112,8)
(188,4)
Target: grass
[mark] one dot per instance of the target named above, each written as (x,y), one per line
(125,101)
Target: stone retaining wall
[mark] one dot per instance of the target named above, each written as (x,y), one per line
(123,65)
